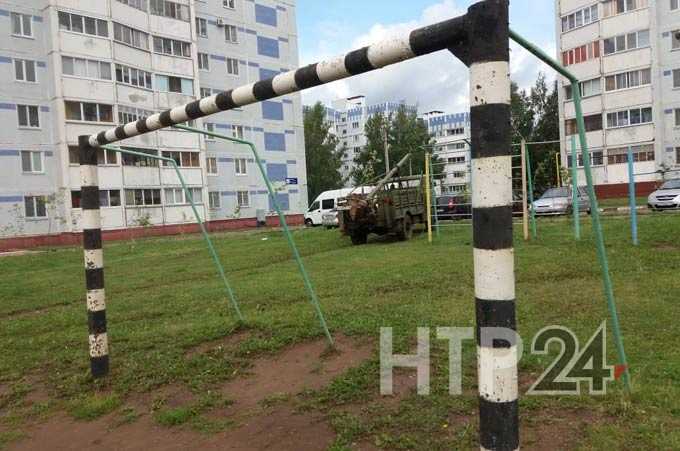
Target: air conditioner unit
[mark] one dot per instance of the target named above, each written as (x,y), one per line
(220,22)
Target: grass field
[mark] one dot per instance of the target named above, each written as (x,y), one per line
(165,302)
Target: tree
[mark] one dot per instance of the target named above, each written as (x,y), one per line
(521,114)
(322,155)
(406,133)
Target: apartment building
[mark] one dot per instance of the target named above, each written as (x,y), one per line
(627,56)
(348,119)
(73,67)
(451,134)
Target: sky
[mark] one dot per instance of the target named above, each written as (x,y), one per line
(327,28)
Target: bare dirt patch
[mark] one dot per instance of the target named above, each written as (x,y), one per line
(549,430)
(225,343)
(306,366)
(257,424)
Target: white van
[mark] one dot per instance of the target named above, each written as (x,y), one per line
(326,203)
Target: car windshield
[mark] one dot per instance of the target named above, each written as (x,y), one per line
(671,184)
(556,192)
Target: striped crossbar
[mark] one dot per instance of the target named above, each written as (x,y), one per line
(422,41)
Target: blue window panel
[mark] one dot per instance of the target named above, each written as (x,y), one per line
(266,74)
(268,47)
(265,15)
(277,172)
(9,153)
(272,110)
(5,59)
(283,199)
(11,199)
(8,106)
(275,142)
(187,87)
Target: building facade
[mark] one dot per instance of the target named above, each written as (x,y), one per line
(627,56)
(451,134)
(348,118)
(73,67)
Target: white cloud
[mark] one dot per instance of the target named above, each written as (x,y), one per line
(437,81)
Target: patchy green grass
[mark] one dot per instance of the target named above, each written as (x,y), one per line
(164,299)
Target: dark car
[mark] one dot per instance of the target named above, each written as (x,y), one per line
(452,207)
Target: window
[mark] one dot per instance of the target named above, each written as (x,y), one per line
(22,25)
(36,206)
(89,112)
(230,33)
(28,116)
(619,155)
(80,67)
(142,197)
(581,54)
(130,36)
(128,114)
(107,157)
(139,4)
(241,165)
(614,7)
(677,155)
(139,161)
(214,200)
(83,24)
(242,199)
(580,18)
(628,80)
(209,127)
(134,77)
(676,77)
(171,47)
(206,92)
(459,175)
(107,198)
(24,70)
(455,131)
(237,131)
(232,66)
(677,117)
(177,196)
(73,155)
(456,160)
(588,88)
(596,159)
(183,159)
(635,116)
(201,27)
(675,39)
(211,165)
(203,61)
(31,162)
(592,123)
(165,83)
(623,42)
(173,10)
(231,4)
(675,4)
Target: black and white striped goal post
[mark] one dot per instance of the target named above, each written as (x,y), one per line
(481,40)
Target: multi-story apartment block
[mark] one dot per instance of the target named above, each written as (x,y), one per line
(348,122)
(627,56)
(77,67)
(451,134)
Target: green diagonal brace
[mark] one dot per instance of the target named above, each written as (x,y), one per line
(206,237)
(595,213)
(289,236)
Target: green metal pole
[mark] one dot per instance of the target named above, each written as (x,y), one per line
(574,190)
(434,198)
(206,237)
(530,181)
(594,207)
(291,242)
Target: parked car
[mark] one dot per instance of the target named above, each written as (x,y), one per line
(558,201)
(453,207)
(666,197)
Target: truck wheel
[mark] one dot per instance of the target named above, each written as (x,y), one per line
(359,238)
(405,232)
(309,223)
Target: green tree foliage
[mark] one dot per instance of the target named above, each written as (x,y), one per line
(322,155)
(406,133)
(535,117)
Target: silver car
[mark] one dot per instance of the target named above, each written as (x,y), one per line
(666,197)
(558,201)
